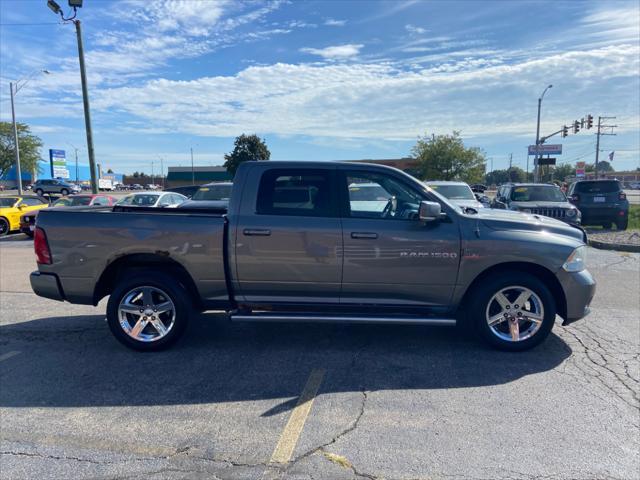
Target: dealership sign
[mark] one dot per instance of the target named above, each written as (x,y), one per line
(58,161)
(545,149)
(580,167)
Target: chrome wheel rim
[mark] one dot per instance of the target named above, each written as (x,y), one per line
(514,313)
(146,314)
(4,227)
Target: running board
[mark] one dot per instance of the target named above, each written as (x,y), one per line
(303,318)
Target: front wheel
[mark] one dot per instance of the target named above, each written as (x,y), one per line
(39,192)
(4,227)
(514,311)
(64,192)
(148,312)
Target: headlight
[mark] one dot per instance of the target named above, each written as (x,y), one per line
(571,212)
(576,261)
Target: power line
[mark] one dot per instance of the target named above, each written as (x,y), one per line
(28,24)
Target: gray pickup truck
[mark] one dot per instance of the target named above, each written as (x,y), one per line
(298,243)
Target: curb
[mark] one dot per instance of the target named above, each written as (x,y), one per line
(622,247)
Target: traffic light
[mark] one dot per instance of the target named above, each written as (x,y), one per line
(576,126)
(582,122)
(565,131)
(589,121)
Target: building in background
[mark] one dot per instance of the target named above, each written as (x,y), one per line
(182,176)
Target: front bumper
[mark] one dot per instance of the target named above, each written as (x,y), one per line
(579,289)
(46,285)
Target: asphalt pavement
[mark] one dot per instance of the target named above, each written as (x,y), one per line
(250,401)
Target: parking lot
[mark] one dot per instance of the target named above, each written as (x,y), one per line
(253,401)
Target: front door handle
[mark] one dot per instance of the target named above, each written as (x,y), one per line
(258,232)
(366,235)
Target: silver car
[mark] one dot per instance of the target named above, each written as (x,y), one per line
(459,193)
(153,199)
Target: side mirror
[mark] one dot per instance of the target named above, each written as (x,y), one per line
(429,211)
(163,205)
(22,206)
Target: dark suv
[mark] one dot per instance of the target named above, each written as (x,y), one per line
(602,202)
(55,186)
(538,199)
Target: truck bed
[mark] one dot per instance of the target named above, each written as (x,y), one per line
(86,241)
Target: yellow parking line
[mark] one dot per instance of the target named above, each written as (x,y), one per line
(8,355)
(291,433)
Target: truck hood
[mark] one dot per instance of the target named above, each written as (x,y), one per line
(511,220)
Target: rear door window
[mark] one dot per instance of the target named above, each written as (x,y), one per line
(303,192)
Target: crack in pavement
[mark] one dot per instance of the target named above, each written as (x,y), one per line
(598,360)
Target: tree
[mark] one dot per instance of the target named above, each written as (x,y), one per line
(516,174)
(605,166)
(560,172)
(444,157)
(247,148)
(30,146)
(109,171)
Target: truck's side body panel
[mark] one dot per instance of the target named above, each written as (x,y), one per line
(84,242)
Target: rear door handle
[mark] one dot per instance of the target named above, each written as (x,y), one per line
(367,235)
(258,232)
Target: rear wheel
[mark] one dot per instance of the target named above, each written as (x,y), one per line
(514,311)
(622,223)
(606,225)
(64,192)
(39,192)
(149,311)
(4,227)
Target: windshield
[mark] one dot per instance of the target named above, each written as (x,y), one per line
(72,202)
(454,192)
(213,192)
(537,193)
(598,187)
(8,201)
(139,200)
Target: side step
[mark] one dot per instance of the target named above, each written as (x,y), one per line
(314,317)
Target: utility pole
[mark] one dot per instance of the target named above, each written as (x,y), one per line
(599,133)
(161,171)
(152,181)
(15,141)
(193,173)
(87,113)
(76,165)
(55,8)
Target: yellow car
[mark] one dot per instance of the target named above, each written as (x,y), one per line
(11,208)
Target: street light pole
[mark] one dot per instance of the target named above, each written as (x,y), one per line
(87,114)
(193,173)
(536,173)
(15,141)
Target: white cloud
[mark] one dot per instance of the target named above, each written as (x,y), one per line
(332,22)
(335,52)
(375,101)
(412,29)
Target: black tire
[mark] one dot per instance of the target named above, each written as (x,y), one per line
(480,303)
(64,192)
(4,227)
(170,287)
(606,225)
(622,223)
(39,192)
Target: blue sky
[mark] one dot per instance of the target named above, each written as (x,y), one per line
(323,80)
